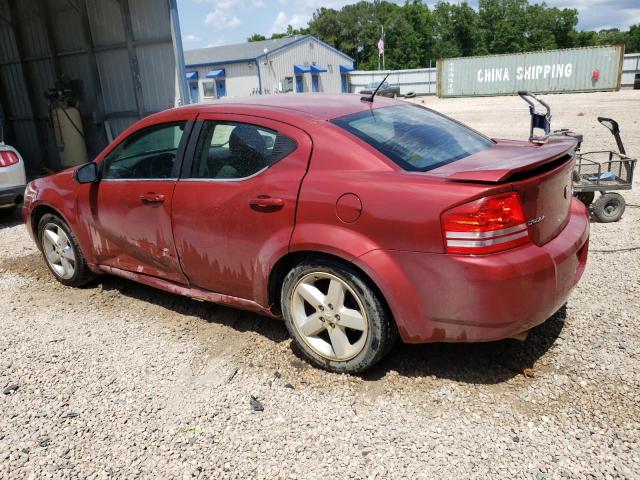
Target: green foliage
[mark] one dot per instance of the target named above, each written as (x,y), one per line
(417,35)
(256,37)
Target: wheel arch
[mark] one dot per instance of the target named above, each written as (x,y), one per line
(37,213)
(284,265)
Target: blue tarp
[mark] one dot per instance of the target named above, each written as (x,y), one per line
(346,69)
(192,75)
(317,69)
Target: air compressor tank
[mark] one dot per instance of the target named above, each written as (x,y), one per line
(69,133)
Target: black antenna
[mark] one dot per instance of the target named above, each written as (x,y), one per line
(366,98)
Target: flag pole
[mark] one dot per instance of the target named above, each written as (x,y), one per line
(379,54)
(383,49)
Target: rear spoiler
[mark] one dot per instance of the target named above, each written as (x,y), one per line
(498,164)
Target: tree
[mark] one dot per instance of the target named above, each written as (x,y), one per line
(256,37)
(417,34)
(633,39)
(291,32)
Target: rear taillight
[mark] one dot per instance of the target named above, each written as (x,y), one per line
(487,225)
(8,158)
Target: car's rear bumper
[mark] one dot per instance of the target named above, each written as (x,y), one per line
(459,298)
(11,196)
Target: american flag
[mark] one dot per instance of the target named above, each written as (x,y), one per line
(381,45)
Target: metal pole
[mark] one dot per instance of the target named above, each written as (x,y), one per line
(383,48)
(46,13)
(179,53)
(133,57)
(95,81)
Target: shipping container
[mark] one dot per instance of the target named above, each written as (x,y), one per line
(630,69)
(550,71)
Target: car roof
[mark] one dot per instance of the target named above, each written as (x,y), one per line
(319,106)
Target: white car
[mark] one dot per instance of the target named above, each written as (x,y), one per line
(13,179)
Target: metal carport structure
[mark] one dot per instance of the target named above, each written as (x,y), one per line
(123,53)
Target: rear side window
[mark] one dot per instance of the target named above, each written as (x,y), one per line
(232,151)
(415,138)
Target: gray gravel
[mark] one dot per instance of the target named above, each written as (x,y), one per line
(119,380)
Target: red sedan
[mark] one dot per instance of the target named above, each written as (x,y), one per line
(354,221)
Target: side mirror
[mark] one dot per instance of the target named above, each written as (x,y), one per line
(87,173)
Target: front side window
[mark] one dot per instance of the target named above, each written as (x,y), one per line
(415,138)
(146,154)
(208,89)
(232,151)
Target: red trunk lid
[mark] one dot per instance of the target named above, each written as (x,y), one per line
(541,174)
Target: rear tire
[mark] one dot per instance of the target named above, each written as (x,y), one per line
(62,253)
(609,207)
(335,318)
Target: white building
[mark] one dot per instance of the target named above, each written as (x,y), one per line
(284,65)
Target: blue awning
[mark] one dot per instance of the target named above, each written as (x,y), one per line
(299,69)
(192,75)
(216,73)
(317,69)
(346,69)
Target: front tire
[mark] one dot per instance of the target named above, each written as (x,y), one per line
(61,252)
(335,318)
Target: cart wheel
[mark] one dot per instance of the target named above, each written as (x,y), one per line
(586,197)
(609,207)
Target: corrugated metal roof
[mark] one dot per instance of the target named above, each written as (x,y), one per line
(238,51)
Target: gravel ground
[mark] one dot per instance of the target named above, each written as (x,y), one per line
(120,380)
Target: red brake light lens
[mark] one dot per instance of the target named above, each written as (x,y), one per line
(487,225)
(8,158)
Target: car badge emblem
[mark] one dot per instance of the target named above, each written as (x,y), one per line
(535,220)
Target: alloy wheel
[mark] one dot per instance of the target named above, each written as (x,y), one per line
(58,251)
(329,316)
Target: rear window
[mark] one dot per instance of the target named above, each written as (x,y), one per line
(414,137)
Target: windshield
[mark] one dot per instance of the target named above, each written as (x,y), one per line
(414,137)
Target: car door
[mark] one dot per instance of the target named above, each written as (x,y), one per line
(130,206)
(234,205)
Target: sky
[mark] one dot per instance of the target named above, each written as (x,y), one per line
(207,23)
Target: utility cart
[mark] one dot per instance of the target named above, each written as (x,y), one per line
(604,171)
(601,171)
